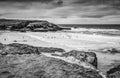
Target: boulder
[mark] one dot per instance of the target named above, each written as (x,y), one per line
(16,48)
(50,50)
(110,50)
(1,46)
(40,66)
(114,72)
(113,50)
(89,57)
(25,61)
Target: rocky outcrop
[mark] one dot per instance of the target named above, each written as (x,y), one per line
(46,26)
(28,25)
(50,50)
(1,46)
(16,48)
(114,72)
(113,50)
(89,57)
(110,50)
(40,66)
(25,61)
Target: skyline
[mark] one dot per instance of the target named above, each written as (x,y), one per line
(63,11)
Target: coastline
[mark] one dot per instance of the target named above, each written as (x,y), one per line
(62,40)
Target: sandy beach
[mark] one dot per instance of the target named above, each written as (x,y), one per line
(59,38)
(68,41)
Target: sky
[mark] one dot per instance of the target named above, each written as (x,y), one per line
(63,11)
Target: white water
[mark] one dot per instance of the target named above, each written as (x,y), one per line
(91,29)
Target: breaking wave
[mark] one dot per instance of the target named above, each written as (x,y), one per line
(109,32)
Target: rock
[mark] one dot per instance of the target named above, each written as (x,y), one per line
(16,48)
(40,66)
(110,50)
(89,57)
(114,72)
(1,46)
(25,61)
(50,50)
(43,26)
(27,25)
(15,41)
(113,50)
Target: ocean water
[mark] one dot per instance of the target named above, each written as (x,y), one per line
(108,30)
(95,26)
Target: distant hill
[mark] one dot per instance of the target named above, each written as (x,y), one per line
(28,25)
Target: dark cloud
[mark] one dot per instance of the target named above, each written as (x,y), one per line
(43,1)
(96,2)
(93,16)
(59,2)
(15,5)
(115,4)
(63,9)
(3,14)
(23,4)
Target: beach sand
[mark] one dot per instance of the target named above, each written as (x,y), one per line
(68,41)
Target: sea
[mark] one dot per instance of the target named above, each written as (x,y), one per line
(95,29)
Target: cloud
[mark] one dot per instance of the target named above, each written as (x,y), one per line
(43,1)
(83,11)
(54,2)
(64,11)
(96,2)
(115,4)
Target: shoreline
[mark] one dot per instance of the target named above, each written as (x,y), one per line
(61,40)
